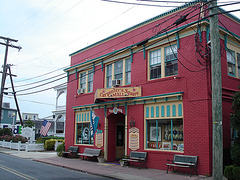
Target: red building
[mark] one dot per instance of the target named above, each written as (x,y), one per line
(150,86)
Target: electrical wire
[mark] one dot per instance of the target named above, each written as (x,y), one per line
(100,68)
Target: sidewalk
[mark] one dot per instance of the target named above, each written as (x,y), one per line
(101,169)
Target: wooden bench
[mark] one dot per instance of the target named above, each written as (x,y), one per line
(90,152)
(136,156)
(71,152)
(183,161)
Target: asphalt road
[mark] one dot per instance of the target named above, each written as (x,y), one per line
(16,168)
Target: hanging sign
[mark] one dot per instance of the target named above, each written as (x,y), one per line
(115,110)
(118,92)
(134,138)
(99,139)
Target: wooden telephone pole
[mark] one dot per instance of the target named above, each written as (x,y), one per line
(4,73)
(217,144)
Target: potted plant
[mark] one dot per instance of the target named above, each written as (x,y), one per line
(101,157)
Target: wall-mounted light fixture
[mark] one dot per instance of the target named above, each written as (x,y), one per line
(132,122)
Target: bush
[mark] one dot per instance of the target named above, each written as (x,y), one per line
(235,154)
(5,131)
(49,144)
(15,139)
(228,172)
(60,149)
(236,173)
(18,138)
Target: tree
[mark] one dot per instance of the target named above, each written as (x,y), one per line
(29,123)
(235,123)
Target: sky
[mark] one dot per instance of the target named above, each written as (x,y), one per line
(49,30)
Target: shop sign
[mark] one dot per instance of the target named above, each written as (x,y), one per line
(118,92)
(134,138)
(99,139)
(115,110)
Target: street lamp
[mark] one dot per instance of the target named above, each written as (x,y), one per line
(13,115)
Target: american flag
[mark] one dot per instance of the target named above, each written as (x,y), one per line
(45,127)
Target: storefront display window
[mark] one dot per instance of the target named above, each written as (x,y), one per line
(165,134)
(84,134)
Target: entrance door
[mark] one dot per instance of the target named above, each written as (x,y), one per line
(120,148)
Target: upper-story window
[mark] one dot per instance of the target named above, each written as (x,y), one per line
(86,81)
(168,55)
(119,70)
(233,63)
(171,60)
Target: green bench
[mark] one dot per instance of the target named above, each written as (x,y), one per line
(183,161)
(71,152)
(138,157)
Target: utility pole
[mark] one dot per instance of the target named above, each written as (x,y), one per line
(4,73)
(14,94)
(217,144)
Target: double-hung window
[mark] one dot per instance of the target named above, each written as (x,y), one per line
(83,80)
(163,62)
(109,76)
(155,64)
(233,62)
(90,81)
(171,60)
(86,81)
(119,70)
(128,70)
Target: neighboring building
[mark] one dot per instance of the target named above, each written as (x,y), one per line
(8,114)
(29,116)
(59,115)
(151,87)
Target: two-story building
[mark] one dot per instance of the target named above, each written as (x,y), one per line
(150,86)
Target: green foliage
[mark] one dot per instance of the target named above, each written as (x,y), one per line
(236,172)
(60,149)
(228,172)
(29,123)
(235,154)
(235,117)
(6,131)
(43,139)
(49,144)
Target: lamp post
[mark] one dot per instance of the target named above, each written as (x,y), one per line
(13,115)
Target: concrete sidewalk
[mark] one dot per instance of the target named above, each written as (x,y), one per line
(102,169)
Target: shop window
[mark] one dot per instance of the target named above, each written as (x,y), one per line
(163,62)
(84,134)
(165,134)
(86,81)
(119,70)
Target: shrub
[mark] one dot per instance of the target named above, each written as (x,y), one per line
(6,131)
(18,138)
(49,144)
(235,154)
(236,173)
(228,172)
(60,149)
(15,139)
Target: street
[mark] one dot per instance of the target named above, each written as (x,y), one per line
(16,168)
